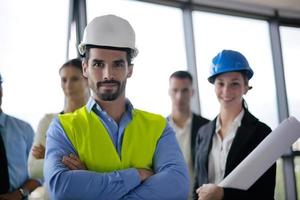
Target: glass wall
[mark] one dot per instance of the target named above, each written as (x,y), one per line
(160,40)
(33,47)
(215,32)
(279,190)
(297,172)
(290,41)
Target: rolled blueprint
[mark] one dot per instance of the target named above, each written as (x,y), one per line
(264,155)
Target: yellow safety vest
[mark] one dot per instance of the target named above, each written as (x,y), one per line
(96,149)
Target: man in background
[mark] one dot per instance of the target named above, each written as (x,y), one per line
(16,137)
(182,119)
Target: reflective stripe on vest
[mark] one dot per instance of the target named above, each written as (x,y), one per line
(96,149)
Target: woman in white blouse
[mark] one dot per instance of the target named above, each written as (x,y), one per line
(224,142)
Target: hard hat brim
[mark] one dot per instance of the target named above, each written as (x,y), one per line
(82,49)
(249,74)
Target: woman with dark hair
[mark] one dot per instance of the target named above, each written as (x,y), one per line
(224,142)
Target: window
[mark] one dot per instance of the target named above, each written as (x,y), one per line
(33,47)
(160,41)
(290,40)
(279,187)
(297,173)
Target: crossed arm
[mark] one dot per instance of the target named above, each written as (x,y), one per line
(168,180)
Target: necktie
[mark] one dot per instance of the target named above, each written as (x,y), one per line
(4,180)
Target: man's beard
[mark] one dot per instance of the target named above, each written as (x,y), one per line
(111,96)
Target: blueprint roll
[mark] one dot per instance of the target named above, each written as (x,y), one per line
(263,156)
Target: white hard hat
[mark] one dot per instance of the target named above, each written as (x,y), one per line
(110,31)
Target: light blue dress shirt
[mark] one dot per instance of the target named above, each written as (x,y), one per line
(18,138)
(170,181)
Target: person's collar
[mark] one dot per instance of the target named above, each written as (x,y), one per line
(186,123)
(92,103)
(237,120)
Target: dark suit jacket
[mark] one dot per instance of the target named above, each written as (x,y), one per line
(197,122)
(248,136)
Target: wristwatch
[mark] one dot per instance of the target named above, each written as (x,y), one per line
(24,193)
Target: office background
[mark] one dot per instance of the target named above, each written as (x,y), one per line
(37,36)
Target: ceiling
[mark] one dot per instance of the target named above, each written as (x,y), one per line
(292,5)
(285,8)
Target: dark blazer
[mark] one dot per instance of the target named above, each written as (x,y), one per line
(248,136)
(197,122)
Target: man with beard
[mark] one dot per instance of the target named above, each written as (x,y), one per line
(108,149)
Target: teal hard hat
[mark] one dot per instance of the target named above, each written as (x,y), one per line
(229,61)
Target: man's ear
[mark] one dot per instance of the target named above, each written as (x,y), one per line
(169,91)
(130,70)
(84,68)
(193,92)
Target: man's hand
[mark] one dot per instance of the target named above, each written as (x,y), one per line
(145,173)
(73,163)
(210,192)
(38,151)
(15,195)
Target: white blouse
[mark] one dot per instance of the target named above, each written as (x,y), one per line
(220,148)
